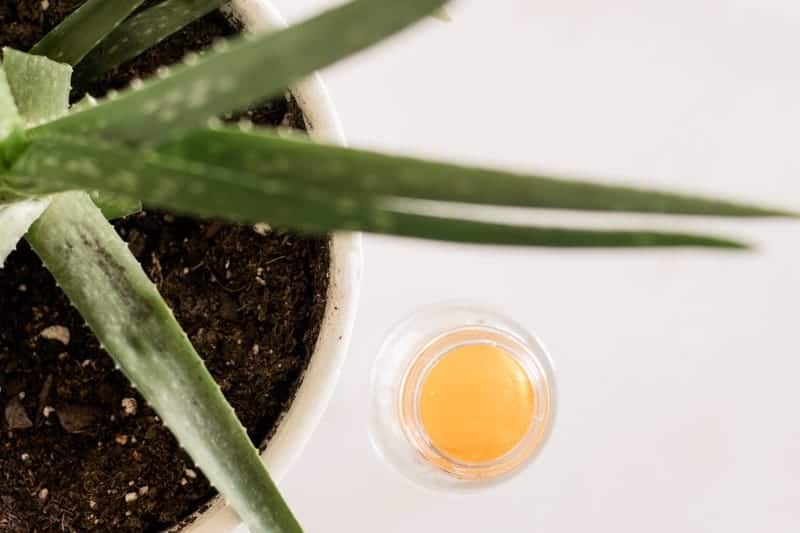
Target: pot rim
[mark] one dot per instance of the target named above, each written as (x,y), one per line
(319,380)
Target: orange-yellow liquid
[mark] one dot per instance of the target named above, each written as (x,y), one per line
(476,403)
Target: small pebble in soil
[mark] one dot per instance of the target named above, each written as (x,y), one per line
(144,490)
(261,228)
(48,410)
(191,474)
(129,406)
(122,440)
(16,416)
(131,497)
(43,494)
(76,418)
(56,333)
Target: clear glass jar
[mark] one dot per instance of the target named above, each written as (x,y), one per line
(406,358)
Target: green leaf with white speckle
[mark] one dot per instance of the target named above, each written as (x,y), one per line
(10,119)
(40,85)
(241,73)
(477,232)
(139,33)
(31,88)
(63,163)
(108,286)
(296,160)
(15,219)
(11,124)
(105,282)
(81,31)
(114,206)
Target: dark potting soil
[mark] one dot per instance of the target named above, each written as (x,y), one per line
(79,448)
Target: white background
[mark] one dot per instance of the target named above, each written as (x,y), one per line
(679,372)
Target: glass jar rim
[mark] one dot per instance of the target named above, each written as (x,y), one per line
(409,352)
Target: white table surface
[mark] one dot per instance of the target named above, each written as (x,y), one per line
(679,372)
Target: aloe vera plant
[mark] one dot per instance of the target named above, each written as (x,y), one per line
(64,172)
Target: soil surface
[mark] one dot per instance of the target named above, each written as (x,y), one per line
(79,448)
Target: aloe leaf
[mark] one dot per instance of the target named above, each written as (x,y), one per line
(11,124)
(241,73)
(113,294)
(443,15)
(476,232)
(80,32)
(141,32)
(15,220)
(343,169)
(41,99)
(40,88)
(114,206)
(53,164)
(8,196)
(105,282)
(40,85)
(10,119)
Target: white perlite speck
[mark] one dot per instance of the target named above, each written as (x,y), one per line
(43,494)
(261,228)
(56,333)
(191,474)
(131,497)
(129,406)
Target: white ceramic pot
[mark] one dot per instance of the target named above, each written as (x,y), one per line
(312,397)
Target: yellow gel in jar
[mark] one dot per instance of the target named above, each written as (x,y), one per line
(476,403)
(462,398)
